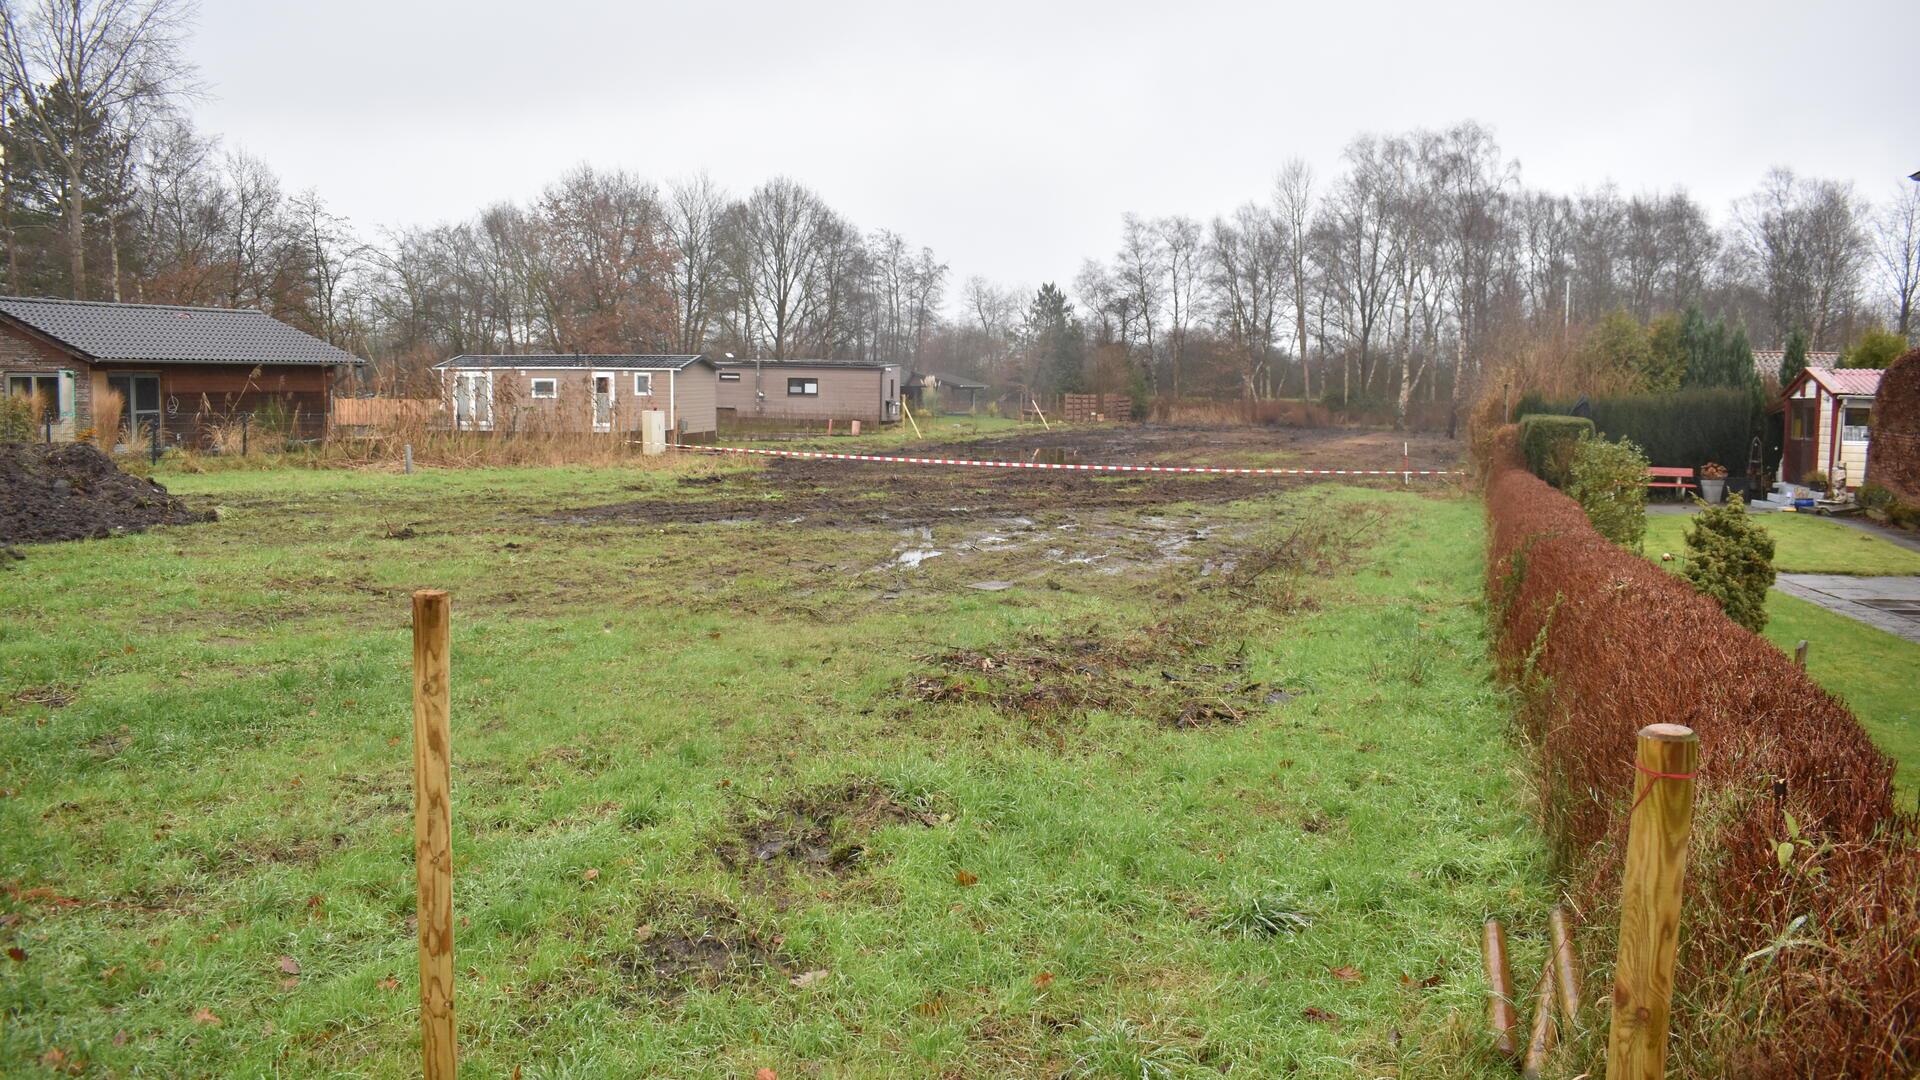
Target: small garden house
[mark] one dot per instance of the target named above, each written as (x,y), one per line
(1827,415)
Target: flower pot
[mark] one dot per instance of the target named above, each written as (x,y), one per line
(1713,490)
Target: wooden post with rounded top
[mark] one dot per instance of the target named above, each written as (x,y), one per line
(433,829)
(1661,818)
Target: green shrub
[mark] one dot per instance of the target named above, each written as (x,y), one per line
(1730,558)
(1817,480)
(1548,442)
(1609,481)
(1873,496)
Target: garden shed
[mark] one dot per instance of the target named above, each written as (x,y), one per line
(1829,415)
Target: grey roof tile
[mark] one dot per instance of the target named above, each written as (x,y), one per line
(649,361)
(160,333)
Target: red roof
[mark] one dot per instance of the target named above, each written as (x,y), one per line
(1848,382)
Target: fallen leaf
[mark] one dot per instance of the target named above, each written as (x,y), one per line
(1043,980)
(1318,1015)
(933,1006)
(54,1058)
(1346,973)
(1427,983)
(16,954)
(205,1016)
(644,932)
(765,1074)
(120,1037)
(289,966)
(388,983)
(289,983)
(592,874)
(808,978)
(965,880)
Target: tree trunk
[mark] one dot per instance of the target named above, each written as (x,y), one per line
(76,229)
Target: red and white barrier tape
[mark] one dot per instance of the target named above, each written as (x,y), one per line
(819,454)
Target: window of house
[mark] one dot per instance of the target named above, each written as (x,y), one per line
(643,385)
(546,388)
(803,387)
(1857,421)
(44,387)
(729,376)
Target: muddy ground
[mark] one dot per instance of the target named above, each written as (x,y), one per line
(75,492)
(845,493)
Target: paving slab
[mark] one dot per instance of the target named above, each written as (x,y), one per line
(1887,603)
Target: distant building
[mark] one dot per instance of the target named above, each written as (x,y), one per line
(576,392)
(809,390)
(178,371)
(1766,362)
(1828,413)
(952,393)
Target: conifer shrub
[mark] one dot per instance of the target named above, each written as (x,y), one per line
(1609,481)
(1730,558)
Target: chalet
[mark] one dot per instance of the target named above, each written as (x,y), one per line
(177,370)
(809,390)
(574,392)
(1827,415)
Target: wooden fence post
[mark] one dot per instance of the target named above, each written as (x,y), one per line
(433,829)
(1657,828)
(1800,654)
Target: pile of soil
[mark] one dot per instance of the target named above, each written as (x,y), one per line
(75,492)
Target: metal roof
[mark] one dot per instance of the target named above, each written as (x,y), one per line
(1848,382)
(163,334)
(644,361)
(871,365)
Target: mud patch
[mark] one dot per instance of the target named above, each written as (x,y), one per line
(47,697)
(75,492)
(709,946)
(822,831)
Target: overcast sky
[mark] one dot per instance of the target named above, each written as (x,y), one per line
(1010,137)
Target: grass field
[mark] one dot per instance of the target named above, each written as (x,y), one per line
(1214,787)
(1873,671)
(1803,544)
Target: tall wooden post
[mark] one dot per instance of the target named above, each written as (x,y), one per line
(433,829)
(1662,816)
(1800,653)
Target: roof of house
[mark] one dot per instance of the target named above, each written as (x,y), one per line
(870,365)
(1767,361)
(604,361)
(1847,382)
(163,334)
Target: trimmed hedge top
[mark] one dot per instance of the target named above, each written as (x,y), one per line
(1548,441)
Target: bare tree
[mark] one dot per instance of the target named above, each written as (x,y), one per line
(696,211)
(1183,257)
(1140,273)
(1896,245)
(1802,243)
(76,67)
(1293,199)
(785,232)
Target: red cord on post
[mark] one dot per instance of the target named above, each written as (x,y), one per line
(1648,790)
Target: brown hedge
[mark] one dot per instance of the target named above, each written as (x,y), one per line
(1893,451)
(1810,970)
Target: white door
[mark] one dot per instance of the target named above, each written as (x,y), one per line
(473,400)
(603,401)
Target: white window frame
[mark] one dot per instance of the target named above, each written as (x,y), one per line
(1854,433)
(593,399)
(643,384)
(729,376)
(553,388)
(808,387)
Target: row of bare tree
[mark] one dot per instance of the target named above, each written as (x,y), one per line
(1387,281)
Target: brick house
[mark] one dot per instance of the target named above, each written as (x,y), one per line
(178,370)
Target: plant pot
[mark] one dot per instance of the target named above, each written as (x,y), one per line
(1713,490)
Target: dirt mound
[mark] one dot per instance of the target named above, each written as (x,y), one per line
(74,492)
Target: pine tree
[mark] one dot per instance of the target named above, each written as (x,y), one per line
(1055,346)
(1795,359)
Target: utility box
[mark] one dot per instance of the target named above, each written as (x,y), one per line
(653,431)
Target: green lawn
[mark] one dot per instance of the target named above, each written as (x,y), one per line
(738,796)
(1803,544)
(1872,670)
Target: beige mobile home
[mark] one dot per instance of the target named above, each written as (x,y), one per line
(813,391)
(573,392)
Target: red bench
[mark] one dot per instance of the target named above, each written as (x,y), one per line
(1675,479)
